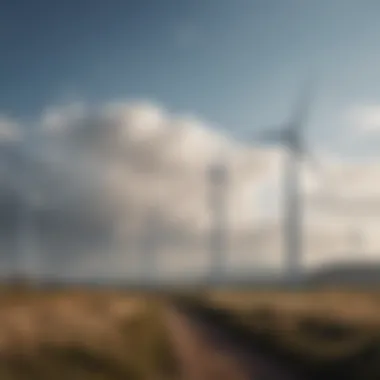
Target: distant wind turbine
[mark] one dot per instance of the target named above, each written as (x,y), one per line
(149,244)
(17,160)
(27,252)
(11,168)
(218,192)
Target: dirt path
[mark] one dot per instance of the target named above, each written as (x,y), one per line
(208,348)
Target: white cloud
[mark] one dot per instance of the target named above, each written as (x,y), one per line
(9,130)
(99,172)
(364,119)
(54,119)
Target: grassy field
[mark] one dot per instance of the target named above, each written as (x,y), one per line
(331,330)
(81,334)
(93,334)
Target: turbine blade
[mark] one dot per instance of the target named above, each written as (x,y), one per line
(276,135)
(303,105)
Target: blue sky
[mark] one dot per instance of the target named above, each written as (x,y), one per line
(237,63)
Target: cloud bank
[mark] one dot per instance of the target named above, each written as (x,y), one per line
(78,190)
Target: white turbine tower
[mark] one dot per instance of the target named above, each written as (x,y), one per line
(291,136)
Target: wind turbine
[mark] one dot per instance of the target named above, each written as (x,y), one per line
(217,175)
(291,136)
(30,199)
(149,242)
(15,159)
(10,170)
